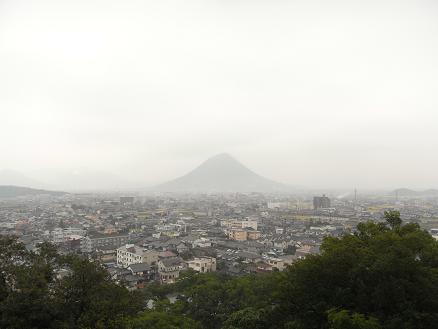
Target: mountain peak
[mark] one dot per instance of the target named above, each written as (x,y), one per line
(222,162)
(222,156)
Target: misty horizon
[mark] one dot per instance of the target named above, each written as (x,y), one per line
(318,95)
(91,180)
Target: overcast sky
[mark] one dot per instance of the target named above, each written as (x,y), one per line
(314,93)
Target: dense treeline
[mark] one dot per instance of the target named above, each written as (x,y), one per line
(35,294)
(385,276)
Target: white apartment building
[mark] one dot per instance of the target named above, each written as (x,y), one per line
(129,254)
(132,254)
(239,224)
(59,235)
(202,264)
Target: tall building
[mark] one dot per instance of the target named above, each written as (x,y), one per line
(320,202)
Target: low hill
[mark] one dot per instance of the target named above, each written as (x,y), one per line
(404,192)
(15,178)
(11,191)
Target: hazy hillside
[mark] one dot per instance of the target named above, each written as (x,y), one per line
(221,173)
(12,177)
(404,192)
(10,191)
(81,179)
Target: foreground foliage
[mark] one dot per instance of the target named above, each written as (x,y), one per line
(385,276)
(34,295)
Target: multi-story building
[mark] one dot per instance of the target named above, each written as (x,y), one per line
(169,269)
(238,234)
(95,241)
(171,230)
(253,235)
(129,254)
(243,234)
(132,254)
(202,264)
(60,235)
(321,202)
(236,224)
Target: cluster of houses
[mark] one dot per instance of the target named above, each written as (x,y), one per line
(241,230)
(153,239)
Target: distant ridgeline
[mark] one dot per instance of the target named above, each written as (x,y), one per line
(384,276)
(404,192)
(10,191)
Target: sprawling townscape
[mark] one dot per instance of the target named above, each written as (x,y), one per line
(153,238)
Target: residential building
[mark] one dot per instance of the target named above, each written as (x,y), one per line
(60,235)
(239,224)
(96,241)
(253,235)
(169,269)
(321,202)
(243,234)
(276,263)
(238,234)
(129,254)
(142,269)
(202,264)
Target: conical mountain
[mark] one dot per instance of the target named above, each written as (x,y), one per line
(221,173)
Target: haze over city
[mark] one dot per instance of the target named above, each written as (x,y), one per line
(218,164)
(338,94)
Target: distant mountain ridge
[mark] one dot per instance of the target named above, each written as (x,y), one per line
(11,191)
(221,173)
(66,180)
(82,179)
(408,192)
(15,178)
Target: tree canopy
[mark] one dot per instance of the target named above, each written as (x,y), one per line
(46,290)
(384,272)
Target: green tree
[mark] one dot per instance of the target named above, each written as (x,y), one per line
(25,279)
(162,320)
(247,318)
(390,274)
(393,218)
(345,320)
(32,296)
(87,298)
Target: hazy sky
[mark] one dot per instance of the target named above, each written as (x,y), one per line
(315,93)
